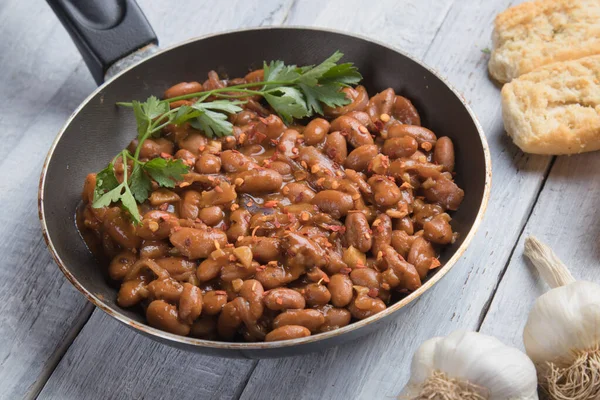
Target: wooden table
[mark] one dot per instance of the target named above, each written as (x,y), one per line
(54,344)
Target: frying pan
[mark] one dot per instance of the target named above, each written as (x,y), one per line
(113,34)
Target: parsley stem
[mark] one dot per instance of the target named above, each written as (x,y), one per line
(235,88)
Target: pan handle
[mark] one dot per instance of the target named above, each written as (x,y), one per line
(105,31)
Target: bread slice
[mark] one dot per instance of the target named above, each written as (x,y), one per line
(541,32)
(556,108)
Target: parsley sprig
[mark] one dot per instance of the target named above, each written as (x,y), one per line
(292,92)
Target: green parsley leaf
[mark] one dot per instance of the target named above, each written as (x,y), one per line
(328,94)
(105,181)
(129,204)
(140,184)
(312,76)
(486,51)
(185,113)
(288,102)
(277,71)
(212,124)
(146,112)
(166,172)
(227,106)
(346,74)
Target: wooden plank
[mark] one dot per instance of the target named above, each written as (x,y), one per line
(567,218)
(378,366)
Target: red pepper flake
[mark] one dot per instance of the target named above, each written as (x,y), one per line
(279,301)
(218,189)
(221,292)
(261,268)
(249,204)
(163,206)
(344,132)
(277,224)
(295,150)
(336,228)
(176,229)
(165,155)
(373,292)
(385,286)
(360,266)
(271,204)
(434,263)
(345,271)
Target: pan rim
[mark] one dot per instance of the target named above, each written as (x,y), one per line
(235,346)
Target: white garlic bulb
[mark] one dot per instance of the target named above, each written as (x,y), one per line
(562,334)
(470,365)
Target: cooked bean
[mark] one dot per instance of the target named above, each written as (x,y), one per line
(360,157)
(176,266)
(208,164)
(315,131)
(232,271)
(444,192)
(402,242)
(164,316)
(354,258)
(120,228)
(385,191)
(182,89)
(186,156)
(333,202)
(121,264)
(274,126)
(273,277)
(335,147)
(229,320)
(131,293)
(316,295)
(340,287)
(404,111)
(240,224)
(335,318)
(298,192)
(211,216)
(264,249)
(400,274)
(358,231)
(197,243)
(204,327)
(381,103)
(213,302)
(283,299)
(193,142)
(404,146)
(421,256)
(259,181)
(234,161)
(404,224)
(366,277)
(420,134)
(358,134)
(287,332)
(208,270)
(310,319)
(288,142)
(281,167)
(438,230)
(167,289)
(89,186)
(189,206)
(190,303)
(156,225)
(443,154)
(223,193)
(357,95)
(382,233)
(364,306)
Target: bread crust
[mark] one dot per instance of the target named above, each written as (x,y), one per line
(555,109)
(541,32)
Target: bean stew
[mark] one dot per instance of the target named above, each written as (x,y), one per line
(283,229)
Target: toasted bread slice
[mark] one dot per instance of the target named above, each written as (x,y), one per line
(555,109)
(542,32)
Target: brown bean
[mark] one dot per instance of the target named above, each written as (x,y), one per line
(234,161)
(223,193)
(358,134)
(167,289)
(382,233)
(239,224)
(282,167)
(89,186)
(120,228)
(255,76)
(176,266)
(404,146)
(264,249)
(310,319)
(402,242)
(335,318)
(420,134)
(162,196)
(354,258)
(315,131)
(421,255)
(444,192)
(189,206)
(204,327)
(336,148)
(192,142)
(208,270)
(298,192)
(287,332)
(213,302)
(358,232)
(164,316)
(404,111)
(283,299)
(381,103)
(186,156)
(316,295)
(232,271)
(360,157)
(364,306)
(333,202)
(156,225)
(385,191)
(287,142)
(399,274)
(273,126)
(259,181)
(121,264)
(211,216)
(357,95)
(366,277)
(252,290)
(152,148)
(229,320)
(208,164)
(438,230)
(190,303)
(131,293)
(340,287)
(443,154)
(273,277)
(182,89)
(197,243)
(404,224)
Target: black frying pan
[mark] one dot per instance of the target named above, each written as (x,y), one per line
(106,31)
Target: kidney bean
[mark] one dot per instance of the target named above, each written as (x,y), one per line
(438,229)
(245,117)
(404,111)
(182,89)
(287,142)
(340,287)
(404,224)
(385,191)
(310,319)
(131,293)
(303,252)
(204,327)
(316,295)
(424,212)
(366,277)
(358,134)
(402,242)
(335,318)
(192,142)
(120,228)
(298,192)
(360,157)
(382,233)
(239,224)
(287,332)
(152,148)
(335,147)
(400,274)
(283,299)
(421,256)
(398,147)
(357,95)
(197,243)
(232,271)
(89,185)
(443,154)
(164,316)
(176,266)
(333,202)
(273,126)
(190,303)
(121,264)
(166,289)
(364,306)
(189,206)
(381,103)
(213,302)
(420,134)
(315,131)
(229,320)
(259,181)
(358,232)
(224,194)
(353,258)
(255,76)
(186,156)
(161,196)
(363,118)
(264,249)
(283,168)
(252,290)
(208,164)
(273,277)
(208,270)
(211,216)
(379,164)
(156,225)
(444,192)
(234,161)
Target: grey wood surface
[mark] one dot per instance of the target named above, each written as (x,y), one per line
(50,348)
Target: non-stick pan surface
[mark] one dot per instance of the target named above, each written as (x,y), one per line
(98,130)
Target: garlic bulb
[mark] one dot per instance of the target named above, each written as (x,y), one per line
(562,334)
(472,366)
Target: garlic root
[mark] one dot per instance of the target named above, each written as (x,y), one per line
(580,381)
(552,270)
(440,387)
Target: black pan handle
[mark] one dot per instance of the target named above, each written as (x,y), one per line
(104,31)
